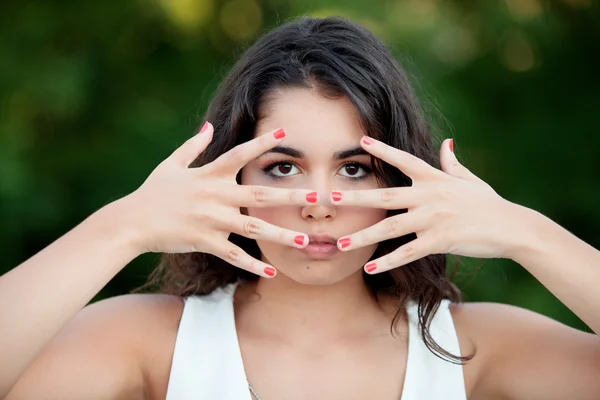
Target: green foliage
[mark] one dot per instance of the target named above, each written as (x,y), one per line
(93,95)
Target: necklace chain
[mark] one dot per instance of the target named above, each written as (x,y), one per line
(253,392)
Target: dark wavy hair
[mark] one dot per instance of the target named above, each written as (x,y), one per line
(336,58)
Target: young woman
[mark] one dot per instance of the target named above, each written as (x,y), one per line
(305,230)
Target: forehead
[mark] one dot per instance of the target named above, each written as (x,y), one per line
(310,120)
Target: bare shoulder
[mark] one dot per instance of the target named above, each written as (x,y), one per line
(137,321)
(131,312)
(147,324)
(518,351)
(120,347)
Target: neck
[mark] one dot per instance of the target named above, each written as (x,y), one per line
(295,312)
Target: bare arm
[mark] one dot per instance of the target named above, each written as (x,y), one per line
(453,211)
(522,355)
(563,263)
(176,210)
(526,355)
(39,297)
(107,353)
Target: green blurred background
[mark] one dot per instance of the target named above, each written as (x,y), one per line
(93,95)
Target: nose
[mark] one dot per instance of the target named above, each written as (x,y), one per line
(323,209)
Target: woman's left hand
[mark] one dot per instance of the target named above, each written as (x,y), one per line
(451,211)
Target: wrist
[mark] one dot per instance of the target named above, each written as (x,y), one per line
(114,222)
(528,235)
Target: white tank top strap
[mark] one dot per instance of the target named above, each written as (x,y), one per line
(207,362)
(427,375)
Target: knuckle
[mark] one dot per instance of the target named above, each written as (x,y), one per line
(385,152)
(409,251)
(253,266)
(387,195)
(281,236)
(293,196)
(201,217)
(392,226)
(235,153)
(205,192)
(440,213)
(234,255)
(445,193)
(198,241)
(252,228)
(391,261)
(259,195)
(360,238)
(200,213)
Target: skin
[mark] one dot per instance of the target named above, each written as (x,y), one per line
(122,347)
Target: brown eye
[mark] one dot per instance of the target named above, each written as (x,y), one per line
(281,170)
(284,168)
(355,171)
(351,169)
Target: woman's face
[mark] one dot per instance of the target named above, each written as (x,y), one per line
(318,132)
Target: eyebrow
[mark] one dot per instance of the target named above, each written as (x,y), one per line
(339,155)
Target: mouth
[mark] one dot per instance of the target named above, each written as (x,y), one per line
(321,239)
(321,246)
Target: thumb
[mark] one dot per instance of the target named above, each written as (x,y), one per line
(451,165)
(189,151)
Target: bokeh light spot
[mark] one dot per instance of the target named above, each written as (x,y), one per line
(241,19)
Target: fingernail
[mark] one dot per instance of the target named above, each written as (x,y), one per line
(312,197)
(279,134)
(344,242)
(270,271)
(367,140)
(451,144)
(204,127)
(370,267)
(336,196)
(299,240)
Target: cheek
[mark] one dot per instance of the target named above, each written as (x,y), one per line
(270,214)
(364,217)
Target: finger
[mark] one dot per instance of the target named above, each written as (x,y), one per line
(189,151)
(237,257)
(391,227)
(394,198)
(452,166)
(255,228)
(266,196)
(411,166)
(405,254)
(233,160)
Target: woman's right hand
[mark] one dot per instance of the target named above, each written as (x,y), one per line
(180,209)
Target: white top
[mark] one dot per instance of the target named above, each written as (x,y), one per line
(207,362)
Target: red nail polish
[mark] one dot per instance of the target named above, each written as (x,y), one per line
(344,242)
(452,145)
(299,240)
(204,127)
(279,134)
(370,267)
(270,271)
(311,197)
(367,140)
(336,196)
